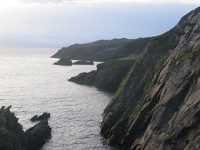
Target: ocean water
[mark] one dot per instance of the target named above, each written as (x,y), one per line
(32,85)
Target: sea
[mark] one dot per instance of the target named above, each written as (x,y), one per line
(32,85)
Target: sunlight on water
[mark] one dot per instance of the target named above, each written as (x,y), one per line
(32,85)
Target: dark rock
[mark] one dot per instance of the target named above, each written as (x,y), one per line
(107,77)
(80,79)
(38,134)
(82,62)
(12,136)
(64,62)
(11,121)
(2,121)
(41,117)
(85,78)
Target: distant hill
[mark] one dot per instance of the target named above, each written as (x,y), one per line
(102,50)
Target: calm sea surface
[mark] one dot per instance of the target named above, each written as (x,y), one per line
(32,85)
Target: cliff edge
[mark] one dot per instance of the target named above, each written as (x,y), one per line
(157,105)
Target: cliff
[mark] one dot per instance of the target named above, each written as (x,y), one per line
(108,76)
(102,50)
(157,105)
(12,136)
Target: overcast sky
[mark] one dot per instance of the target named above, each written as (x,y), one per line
(58,23)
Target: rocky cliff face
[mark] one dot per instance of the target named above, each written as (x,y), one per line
(157,105)
(12,136)
(108,75)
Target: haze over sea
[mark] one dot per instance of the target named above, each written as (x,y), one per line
(32,85)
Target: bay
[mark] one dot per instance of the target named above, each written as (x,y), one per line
(32,85)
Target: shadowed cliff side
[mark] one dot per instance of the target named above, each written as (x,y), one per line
(157,105)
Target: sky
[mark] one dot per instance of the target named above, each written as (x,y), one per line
(58,23)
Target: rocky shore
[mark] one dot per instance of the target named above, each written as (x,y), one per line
(12,136)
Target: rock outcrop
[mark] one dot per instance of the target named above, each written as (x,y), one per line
(44,116)
(157,105)
(12,136)
(64,62)
(108,75)
(37,135)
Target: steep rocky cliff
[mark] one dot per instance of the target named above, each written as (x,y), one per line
(157,105)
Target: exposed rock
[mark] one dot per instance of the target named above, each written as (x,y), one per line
(85,78)
(12,136)
(108,75)
(38,134)
(82,62)
(158,104)
(64,62)
(44,116)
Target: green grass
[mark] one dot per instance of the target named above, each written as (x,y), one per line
(168,137)
(160,59)
(189,53)
(193,123)
(120,103)
(135,111)
(117,64)
(130,57)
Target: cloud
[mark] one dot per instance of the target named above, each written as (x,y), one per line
(108,1)
(55,24)
(42,1)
